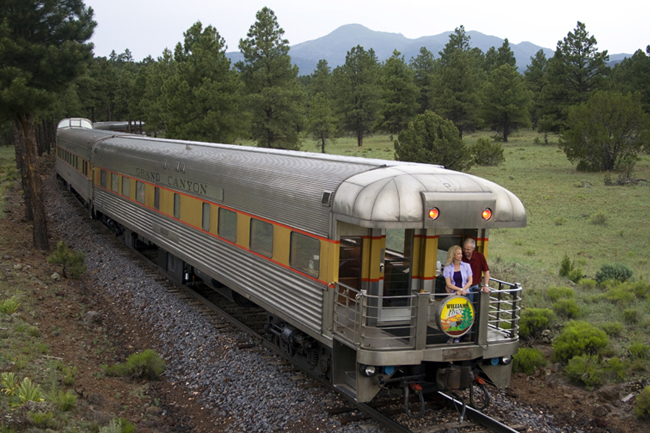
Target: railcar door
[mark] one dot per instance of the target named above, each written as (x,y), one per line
(394,298)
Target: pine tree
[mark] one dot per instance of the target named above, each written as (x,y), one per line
(43,50)
(358,92)
(275,97)
(506,101)
(633,75)
(399,98)
(423,66)
(575,72)
(202,97)
(457,82)
(535,79)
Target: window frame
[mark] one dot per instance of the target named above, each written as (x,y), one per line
(260,244)
(224,222)
(205,219)
(295,261)
(140,191)
(177,205)
(126,186)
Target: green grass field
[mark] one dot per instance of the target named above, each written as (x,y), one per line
(569,212)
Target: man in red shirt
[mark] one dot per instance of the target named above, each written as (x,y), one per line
(479,266)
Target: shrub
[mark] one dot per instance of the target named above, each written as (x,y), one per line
(579,338)
(9,306)
(64,400)
(9,383)
(612,328)
(585,369)
(639,350)
(600,219)
(621,294)
(567,308)
(27,391)
(487,152)
(616,369)
(617,271)
(142,365)
(630,316)
(642,406)
(640,289)
(587,283)
(555,293)
(529,360)
(568,270)
(565,266)
(534,320)
(73,262)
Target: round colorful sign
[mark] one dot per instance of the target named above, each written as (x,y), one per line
(455,316)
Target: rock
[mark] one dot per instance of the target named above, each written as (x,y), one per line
(18,267)
(547,336)
(601,411)
(609,393)
(153,410)
(92,317)
(56,277)
(6,257)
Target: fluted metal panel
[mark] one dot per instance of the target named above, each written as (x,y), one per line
(78,181)
(297,297)
(281,186)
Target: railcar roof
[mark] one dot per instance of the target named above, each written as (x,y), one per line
(367,192)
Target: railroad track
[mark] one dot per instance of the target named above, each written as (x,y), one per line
(231,317)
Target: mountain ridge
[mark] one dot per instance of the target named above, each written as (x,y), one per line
(334,46)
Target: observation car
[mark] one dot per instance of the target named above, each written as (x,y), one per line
(340,251)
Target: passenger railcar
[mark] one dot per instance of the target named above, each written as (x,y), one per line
(340,251)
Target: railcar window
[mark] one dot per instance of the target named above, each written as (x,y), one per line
(205,220)
(177,206)
(156,198)
(305,254)
(262,237)
(115,183)
(227,226)
(126,186)
(139,191)
(102,178)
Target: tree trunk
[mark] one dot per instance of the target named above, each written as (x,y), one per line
(19,144)
(30,167)
(359,138)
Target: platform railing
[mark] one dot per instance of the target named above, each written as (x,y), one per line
(505,307)
(375,322)
(392,322)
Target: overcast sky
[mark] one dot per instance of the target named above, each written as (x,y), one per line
(146,27)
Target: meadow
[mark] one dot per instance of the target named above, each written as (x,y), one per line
(568,212)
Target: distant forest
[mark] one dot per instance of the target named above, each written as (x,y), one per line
(196,92)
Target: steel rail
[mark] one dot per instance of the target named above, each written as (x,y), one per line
(479,417)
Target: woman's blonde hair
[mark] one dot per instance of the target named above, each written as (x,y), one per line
(451,253)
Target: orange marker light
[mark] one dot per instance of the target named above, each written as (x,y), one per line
(487,214)
(434,213)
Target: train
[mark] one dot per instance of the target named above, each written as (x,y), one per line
(342,252)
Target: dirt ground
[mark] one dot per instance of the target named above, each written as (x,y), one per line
(161,406)
(90,341)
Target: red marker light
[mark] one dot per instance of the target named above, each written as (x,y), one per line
(487,214)
(434,213)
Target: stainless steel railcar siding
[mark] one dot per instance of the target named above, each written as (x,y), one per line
(298,299)
(286,188)
(78,181)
